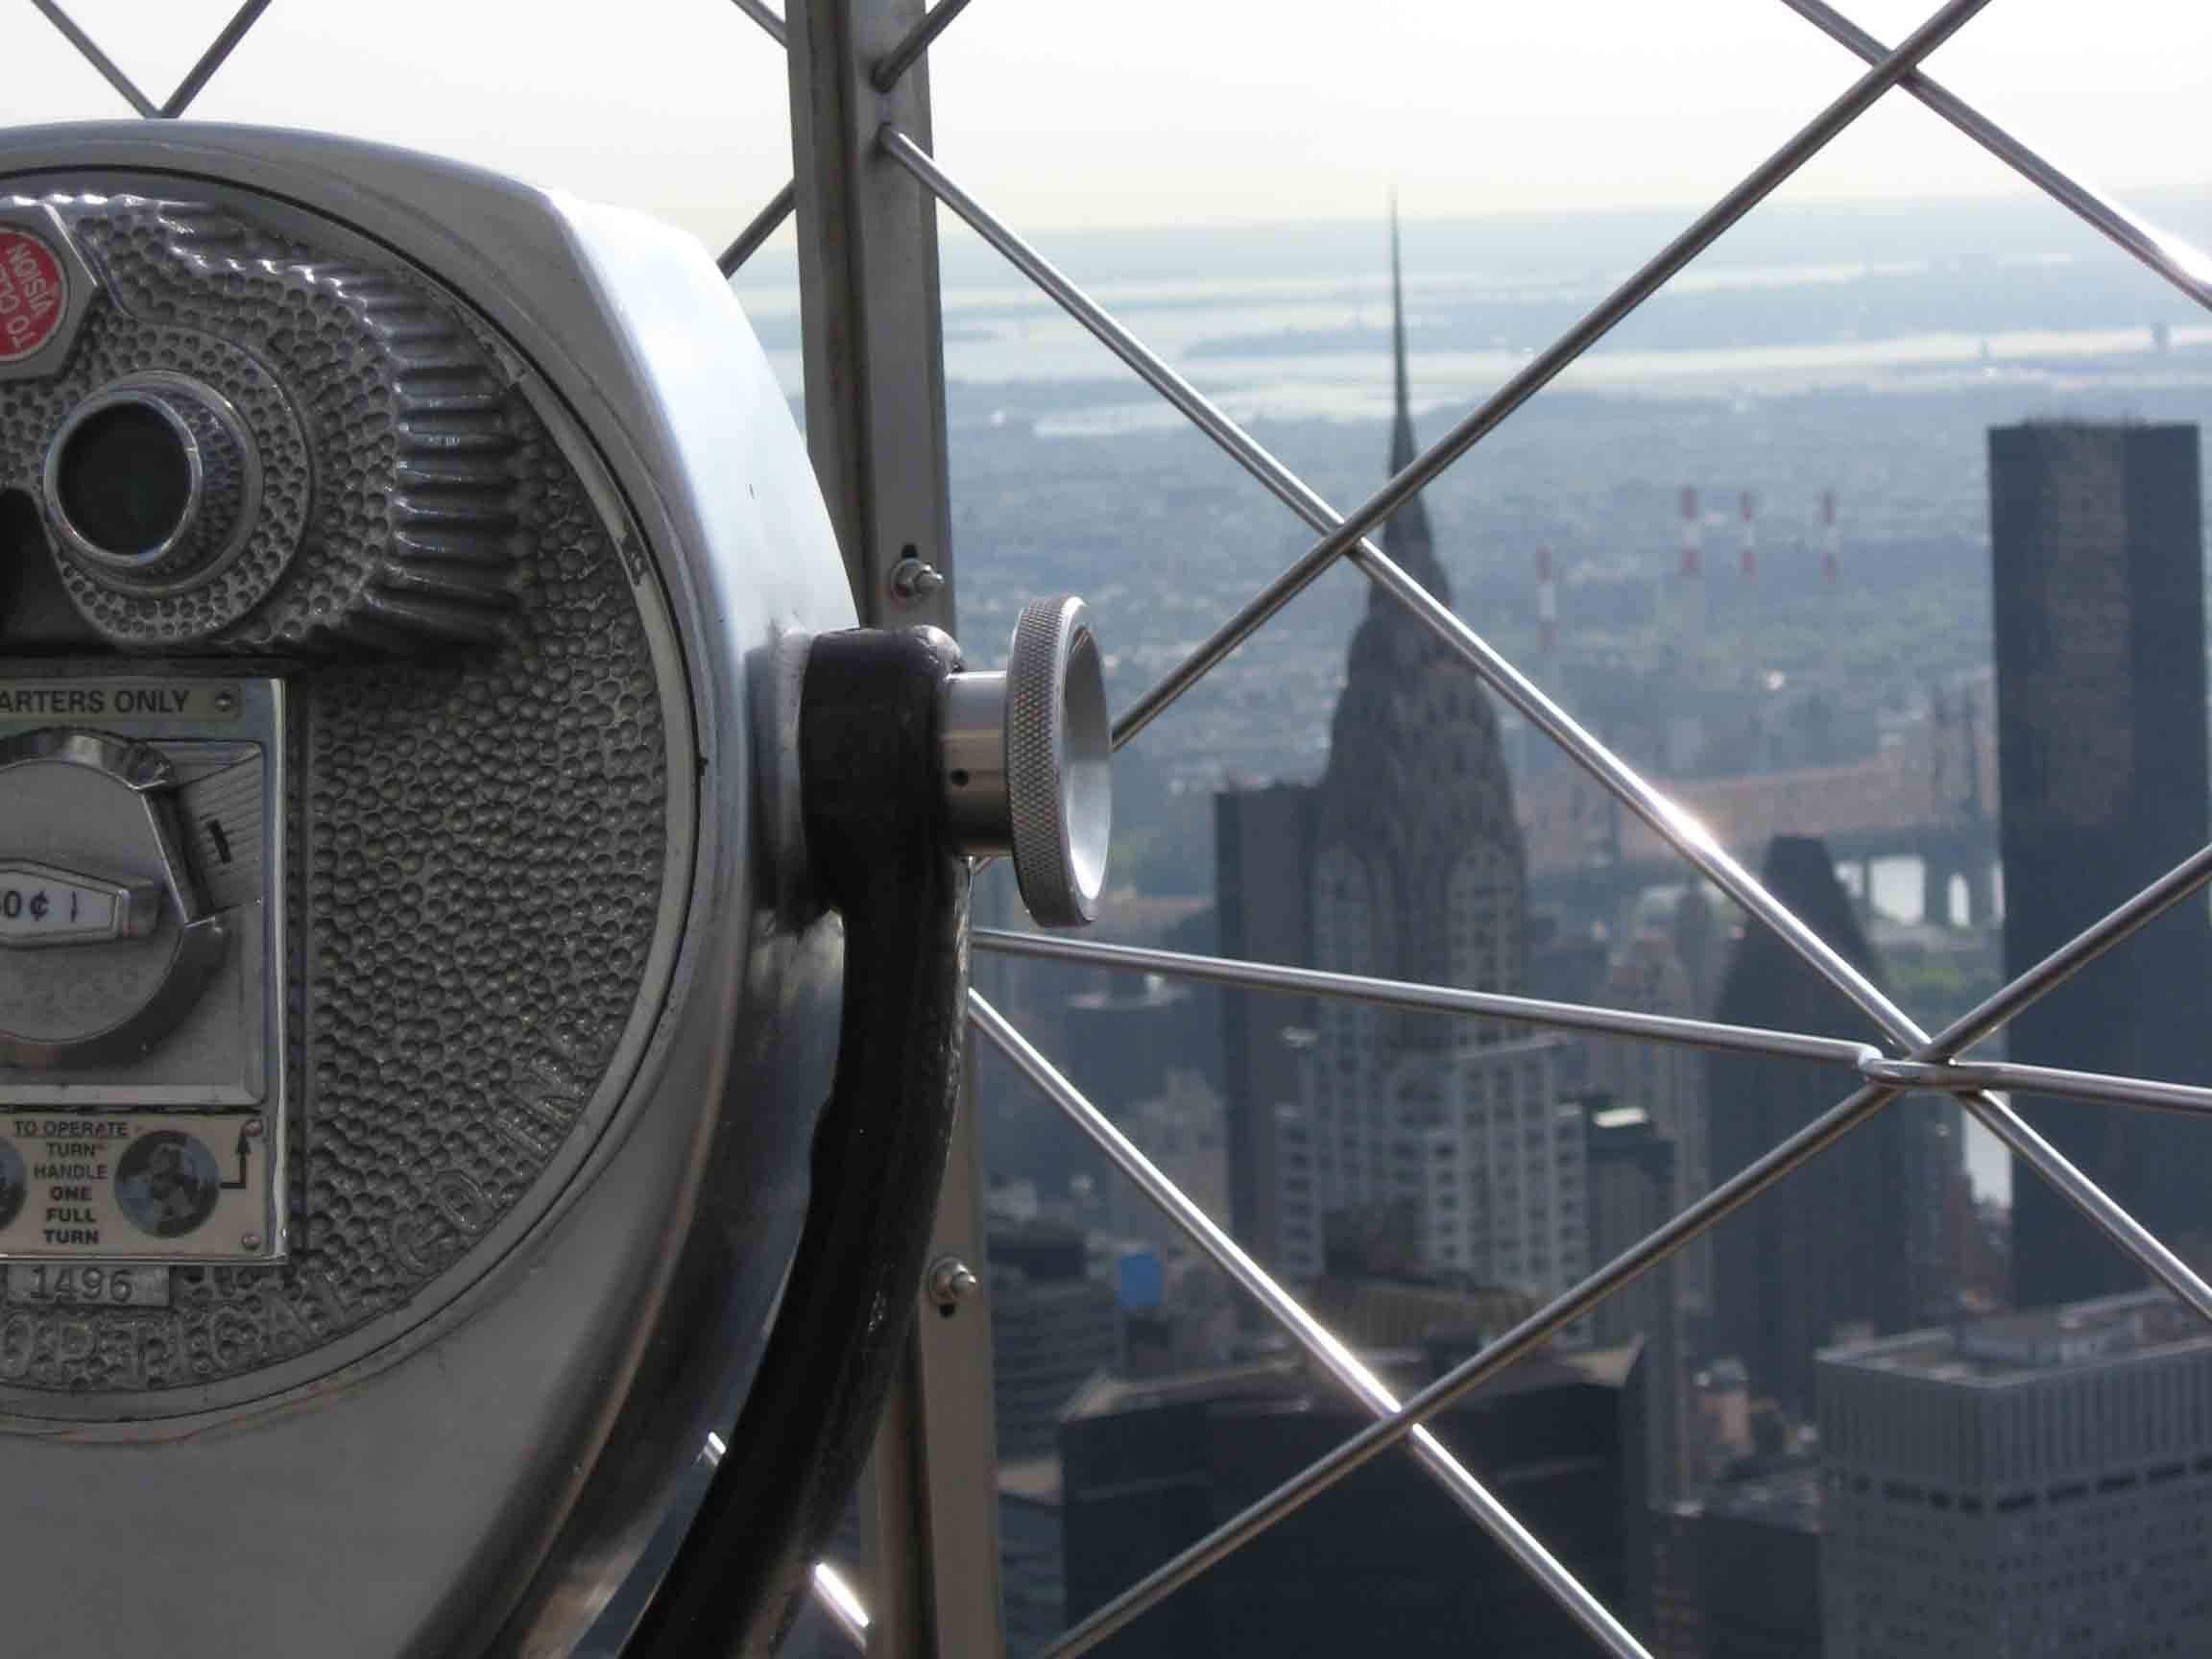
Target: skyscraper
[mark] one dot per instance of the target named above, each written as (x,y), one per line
(1666,1082)
(1737,1570)
(1632,1195)
(1386,1563)
(2033,1484)
(1407,864)
(1418,873)
(1832,1246)
(2097,556)
(1262,841)
(1500,1190)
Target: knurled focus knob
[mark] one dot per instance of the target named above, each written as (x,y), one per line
(1027,757)
(152,483)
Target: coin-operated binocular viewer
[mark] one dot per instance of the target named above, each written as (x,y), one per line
(481,931)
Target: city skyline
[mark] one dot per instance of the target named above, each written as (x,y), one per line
(1763,752)
(1754,1479)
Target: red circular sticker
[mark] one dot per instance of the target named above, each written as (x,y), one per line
(34,294)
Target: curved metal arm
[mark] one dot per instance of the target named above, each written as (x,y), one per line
(869,758)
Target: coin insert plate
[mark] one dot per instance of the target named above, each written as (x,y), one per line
(115,1186)
(141,1008)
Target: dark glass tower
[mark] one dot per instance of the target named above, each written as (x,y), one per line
(1386,1564)
(1833,1246)
(1263,848)
(2099,573)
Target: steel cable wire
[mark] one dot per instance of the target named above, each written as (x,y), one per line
(217,52)
(1947,1077)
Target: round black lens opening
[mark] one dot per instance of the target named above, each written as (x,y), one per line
(124,480)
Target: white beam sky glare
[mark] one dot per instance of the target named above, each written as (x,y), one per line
(1181,112)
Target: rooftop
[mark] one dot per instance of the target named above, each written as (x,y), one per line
(1372,1311)
(1288,1385)
(1031,1481)
(1786,1495)
(2011,1347)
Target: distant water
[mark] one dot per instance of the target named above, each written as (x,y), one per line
(1352,387)
(1897,894)
(1289,323)
(1343,386)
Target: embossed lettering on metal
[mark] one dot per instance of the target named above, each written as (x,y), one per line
(42,906)
(67,1285)
(34,294)
(46,289)
(121,701)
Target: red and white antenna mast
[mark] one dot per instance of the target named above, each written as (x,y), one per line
(1750,543)
(1692,534)
(1831,541)
(1547,604)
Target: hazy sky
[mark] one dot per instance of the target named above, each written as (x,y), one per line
(1172,111)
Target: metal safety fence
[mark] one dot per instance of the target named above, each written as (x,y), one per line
(1914,1061)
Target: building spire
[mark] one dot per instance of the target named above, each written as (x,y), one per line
(1417,785)
(1402,427)
(1405,536)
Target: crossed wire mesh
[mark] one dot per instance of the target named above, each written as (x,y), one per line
(196,77)
(1929,1063)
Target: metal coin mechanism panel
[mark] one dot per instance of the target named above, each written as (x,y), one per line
(424,840)
(78,846)
(138,920)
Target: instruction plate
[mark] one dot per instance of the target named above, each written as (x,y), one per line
(136,1187)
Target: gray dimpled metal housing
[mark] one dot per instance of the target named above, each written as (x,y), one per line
(479,841)
(396,489)
(564,1019)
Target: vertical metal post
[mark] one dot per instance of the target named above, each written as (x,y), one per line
(868,306)
(869,311)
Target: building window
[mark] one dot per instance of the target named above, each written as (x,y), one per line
(1483,901)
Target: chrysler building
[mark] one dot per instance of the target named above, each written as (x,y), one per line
(1448,1137)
